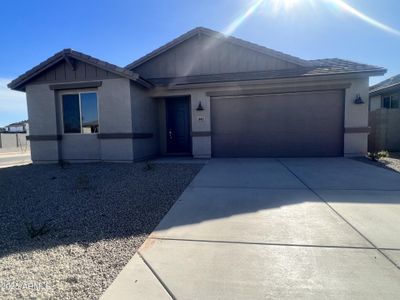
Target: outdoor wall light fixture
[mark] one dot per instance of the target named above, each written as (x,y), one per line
(199,107)
(358,100)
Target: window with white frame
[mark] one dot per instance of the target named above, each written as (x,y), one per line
(80,114)
(392,101)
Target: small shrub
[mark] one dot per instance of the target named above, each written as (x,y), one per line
(375,156)
(34,231)
(148,166)
(83,182)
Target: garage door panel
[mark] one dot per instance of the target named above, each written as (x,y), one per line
(305,124)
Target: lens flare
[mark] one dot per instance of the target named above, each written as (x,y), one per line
(350,9)
(285,6)
(239,20)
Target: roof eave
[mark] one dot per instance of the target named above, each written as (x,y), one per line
(349,75)
(18,84)
(382,90)
(366,73)
(143,82)
(162,49)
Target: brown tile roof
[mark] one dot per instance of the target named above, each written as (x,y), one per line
(305,67)
(316,68)
(337,65)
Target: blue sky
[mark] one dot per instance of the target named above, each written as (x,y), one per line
(120,31)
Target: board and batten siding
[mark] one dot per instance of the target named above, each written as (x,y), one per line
(63,72)
(202,55)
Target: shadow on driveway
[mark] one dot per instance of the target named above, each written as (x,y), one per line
(84,203)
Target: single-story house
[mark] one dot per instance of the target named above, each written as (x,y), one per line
(17,127)
(385,94)
(384,116)
(203,94)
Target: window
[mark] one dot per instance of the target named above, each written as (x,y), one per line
(395,101)
(80,113)
(391,101)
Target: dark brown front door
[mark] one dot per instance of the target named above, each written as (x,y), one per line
(178,125)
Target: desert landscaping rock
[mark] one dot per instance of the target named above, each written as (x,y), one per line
(87,221)
(392,162)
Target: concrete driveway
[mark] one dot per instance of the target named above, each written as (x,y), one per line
(274,228)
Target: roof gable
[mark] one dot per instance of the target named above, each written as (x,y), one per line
(213,43)
(47,70)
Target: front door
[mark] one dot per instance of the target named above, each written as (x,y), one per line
(178,125)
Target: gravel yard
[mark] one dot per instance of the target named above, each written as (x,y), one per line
(393,161)
(67,231)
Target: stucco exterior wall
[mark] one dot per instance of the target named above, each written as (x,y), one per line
(80,147)
(355,125)
(115,123)
(145,124)
(115,117)
(356,118)
(43,122)
(132,119)
(201,125)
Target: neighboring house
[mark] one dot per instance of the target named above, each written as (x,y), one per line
(384,118)
(202,94)
(385,94)
(13,136)
(18,127)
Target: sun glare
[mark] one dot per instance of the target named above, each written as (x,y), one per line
(353,11)
(288,6)
(284,4)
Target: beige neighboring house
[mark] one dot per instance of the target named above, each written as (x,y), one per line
(384,117)
(13,137)
(204,95)
(385,94)
(17,127)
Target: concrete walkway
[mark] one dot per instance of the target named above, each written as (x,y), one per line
(274,228)
(14,158)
